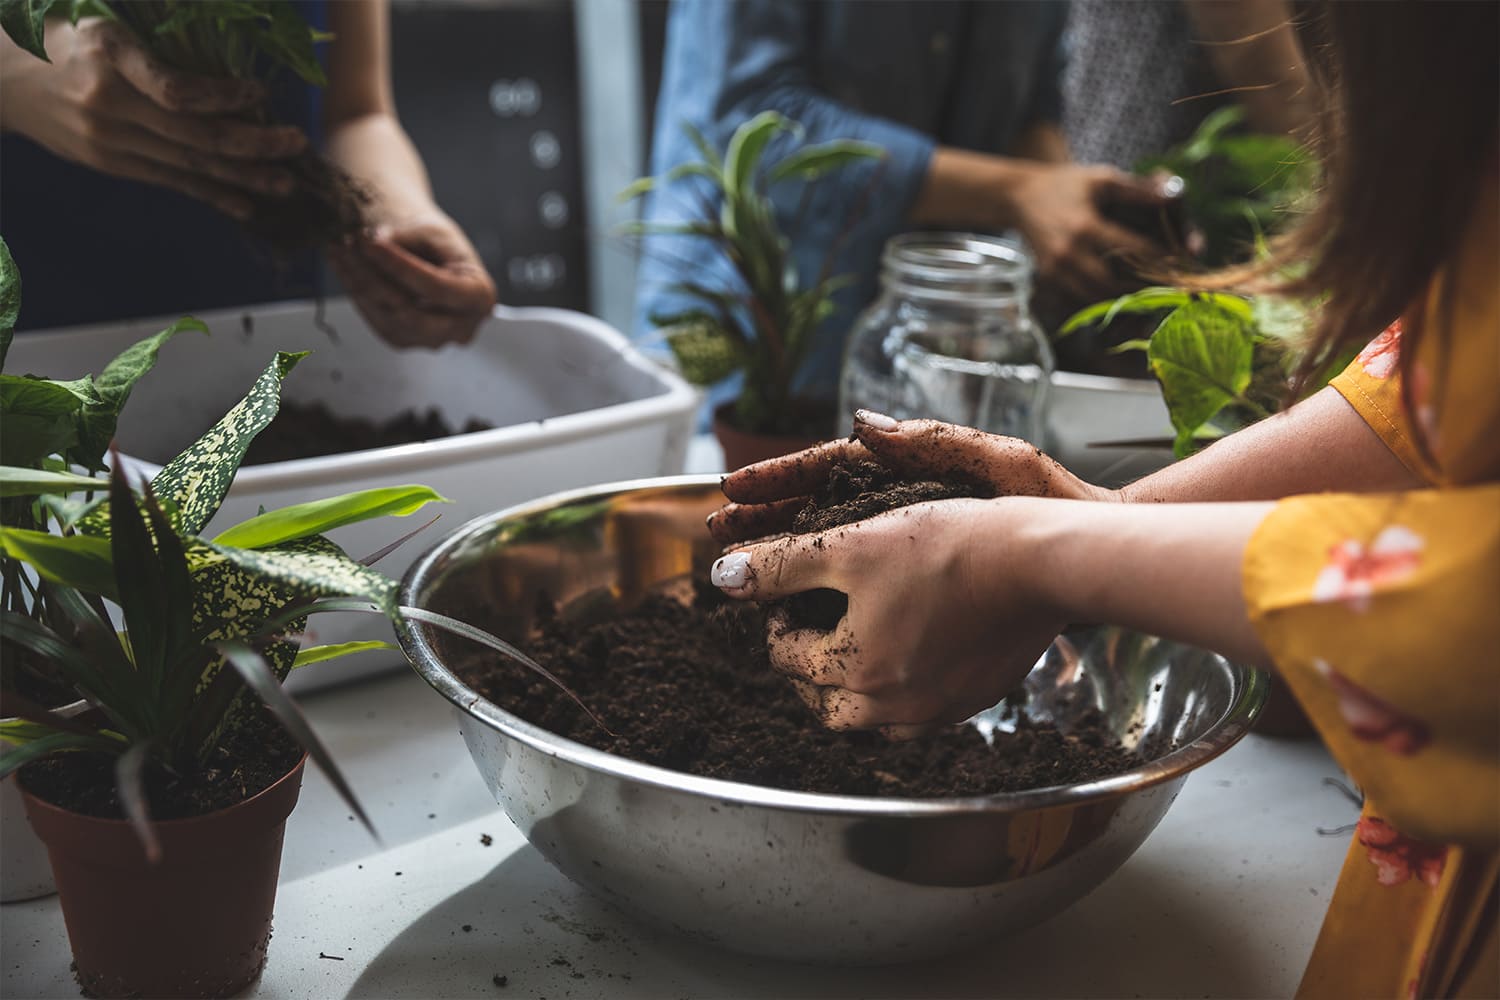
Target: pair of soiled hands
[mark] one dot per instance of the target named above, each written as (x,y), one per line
(941,624)
(106,103)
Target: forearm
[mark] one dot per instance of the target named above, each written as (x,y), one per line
(964,188)
(1318,445)
(1169,570)
(365,137)
(375,150)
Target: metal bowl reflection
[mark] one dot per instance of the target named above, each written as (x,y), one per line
(788,874)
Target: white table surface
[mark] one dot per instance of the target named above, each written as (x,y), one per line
(1223,900)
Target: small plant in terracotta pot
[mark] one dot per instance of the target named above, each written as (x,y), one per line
(762,323)
(163,804)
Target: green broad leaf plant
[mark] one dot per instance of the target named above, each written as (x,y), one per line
(1238,184)
(762,323)
(114,594)
(1223,361)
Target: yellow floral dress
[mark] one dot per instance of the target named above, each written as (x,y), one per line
(1382,611)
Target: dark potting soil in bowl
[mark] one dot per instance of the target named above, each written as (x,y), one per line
(309,430)
(689,686)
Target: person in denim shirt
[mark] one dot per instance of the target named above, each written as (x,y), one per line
(963,96)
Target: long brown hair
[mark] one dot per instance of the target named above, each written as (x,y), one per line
(1407,137)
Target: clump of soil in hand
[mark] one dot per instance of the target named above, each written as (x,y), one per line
(855,491)
(690,687)
(309,430)
(250,759)
(325,206)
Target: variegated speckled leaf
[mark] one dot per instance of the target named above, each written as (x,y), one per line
(238,590)
(305,568)
(197,479)
(194,483)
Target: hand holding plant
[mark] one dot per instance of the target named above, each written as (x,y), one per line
(108,104)
(174,93)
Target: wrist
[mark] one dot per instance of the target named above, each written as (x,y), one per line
(1020,532)
(967,188)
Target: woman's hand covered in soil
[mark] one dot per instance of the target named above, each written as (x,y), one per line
(765,497)
(941,622)
(418,282)
(105,103)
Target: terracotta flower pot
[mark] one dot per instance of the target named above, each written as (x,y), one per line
(195,925)
(742,448)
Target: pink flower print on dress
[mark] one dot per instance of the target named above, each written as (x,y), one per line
(1354,572)
(1379,358)
(1398,858)
(1372,718)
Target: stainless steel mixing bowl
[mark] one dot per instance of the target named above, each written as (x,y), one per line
(795,875)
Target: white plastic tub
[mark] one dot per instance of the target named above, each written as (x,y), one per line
(571,402)
(1108,430)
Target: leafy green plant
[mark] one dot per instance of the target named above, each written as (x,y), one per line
(763,323)
(1223,361)
(1239,184)
(209,623)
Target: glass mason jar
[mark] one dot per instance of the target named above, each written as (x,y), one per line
(950,337)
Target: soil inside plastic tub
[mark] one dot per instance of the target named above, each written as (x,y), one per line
(309,430)
(690,687)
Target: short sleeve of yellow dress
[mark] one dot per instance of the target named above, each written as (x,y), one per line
(1382,612)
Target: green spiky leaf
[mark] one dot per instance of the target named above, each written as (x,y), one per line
(335,650)
(197,479)
(259,678)
(318,516)
(79,561)
(812,162)
(15,482)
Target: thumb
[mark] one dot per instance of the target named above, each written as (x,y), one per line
(926,449)
(783,567)
(1158,189)
(931,449)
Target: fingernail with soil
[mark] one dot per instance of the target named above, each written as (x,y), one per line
(879,421)
(731,572)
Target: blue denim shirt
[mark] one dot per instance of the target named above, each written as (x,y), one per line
(907,76)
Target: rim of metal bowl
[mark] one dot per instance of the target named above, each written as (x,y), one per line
(1248,694)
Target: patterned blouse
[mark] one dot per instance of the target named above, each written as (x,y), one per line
(1382,611)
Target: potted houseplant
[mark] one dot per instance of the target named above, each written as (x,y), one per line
(175,903)
(762,322)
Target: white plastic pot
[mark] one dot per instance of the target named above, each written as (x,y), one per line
(25,872)
(572,404)
(1108,430)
